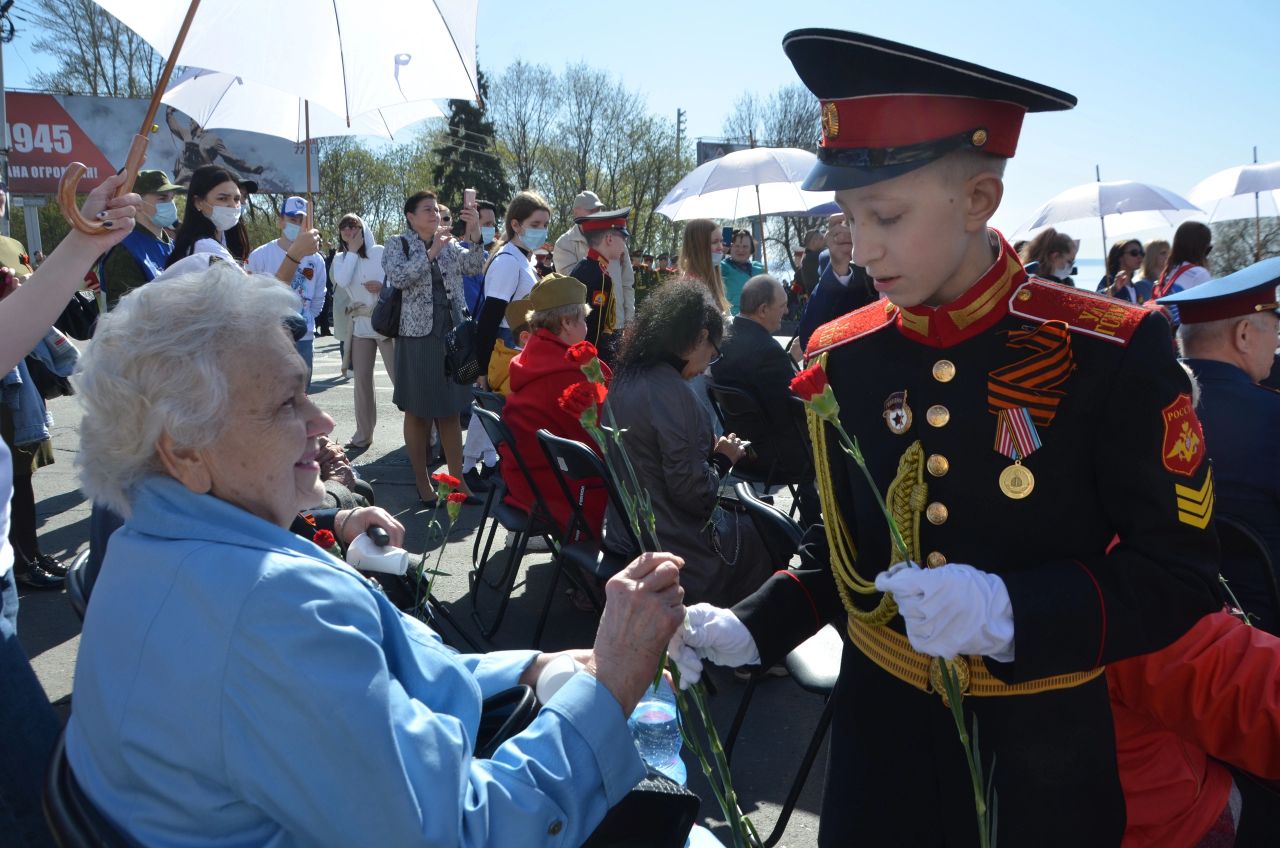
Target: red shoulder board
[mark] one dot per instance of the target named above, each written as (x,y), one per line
(1084,312)
(853,325)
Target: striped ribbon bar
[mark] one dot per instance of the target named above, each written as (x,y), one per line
(1016,435)
(1031,383)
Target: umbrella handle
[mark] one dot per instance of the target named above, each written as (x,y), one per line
(71,179)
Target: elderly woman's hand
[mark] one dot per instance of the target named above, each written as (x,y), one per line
(350,523)
(644,604)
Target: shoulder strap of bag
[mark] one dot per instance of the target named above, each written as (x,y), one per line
(404,244)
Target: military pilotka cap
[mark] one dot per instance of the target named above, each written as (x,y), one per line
(156,182)
(1246,292)
(556,290)
(610,219)
(889,108)
(517,313)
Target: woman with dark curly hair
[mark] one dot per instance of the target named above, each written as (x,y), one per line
(675,337)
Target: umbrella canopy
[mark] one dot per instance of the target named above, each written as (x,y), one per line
(217,100)
(1229,194)
(747,183)
(1124,206)
(347,56)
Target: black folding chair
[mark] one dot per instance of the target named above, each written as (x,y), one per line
(78,584)
(740,413)
(780,533)
(73,819)
(582,550)
(535,522)
(494,402)
(814,666)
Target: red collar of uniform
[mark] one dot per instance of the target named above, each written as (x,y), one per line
(978,309)
(604,263)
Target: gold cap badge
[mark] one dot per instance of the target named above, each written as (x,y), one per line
(830,120)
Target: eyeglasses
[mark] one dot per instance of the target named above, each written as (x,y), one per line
(718,355)
(1135,251)
(347,226)
(446,217)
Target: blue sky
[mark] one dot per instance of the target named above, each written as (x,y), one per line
(1169,92)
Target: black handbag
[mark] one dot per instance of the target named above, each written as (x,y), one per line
(385,318)
(460,361)
(657,813)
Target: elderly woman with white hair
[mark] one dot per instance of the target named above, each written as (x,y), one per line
(236,685)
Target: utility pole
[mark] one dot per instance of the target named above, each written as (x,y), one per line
(6,36)
(679,132)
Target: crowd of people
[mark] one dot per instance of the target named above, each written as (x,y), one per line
(1073,574)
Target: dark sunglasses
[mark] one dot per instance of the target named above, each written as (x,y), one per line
(718,355)
(1135,251)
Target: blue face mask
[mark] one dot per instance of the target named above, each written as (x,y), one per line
(291,231)
(166,214)
(534,238)
(488,234)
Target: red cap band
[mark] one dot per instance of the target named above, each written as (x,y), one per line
(898,120)
(590,226)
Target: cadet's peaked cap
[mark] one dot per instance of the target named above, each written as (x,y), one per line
(1246,292)
(556,290)
(608,219)
(517,313)
(889,108)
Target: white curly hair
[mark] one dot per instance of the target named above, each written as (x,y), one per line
(158,364)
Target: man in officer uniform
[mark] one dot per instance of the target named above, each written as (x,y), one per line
(1228,339)
(606,235)
(986,405)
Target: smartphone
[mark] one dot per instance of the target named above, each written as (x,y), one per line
(468,197)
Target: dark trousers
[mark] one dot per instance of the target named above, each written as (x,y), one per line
(28,730)
(897,775)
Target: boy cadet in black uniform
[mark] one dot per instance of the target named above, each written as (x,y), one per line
(607,235)
(986,404)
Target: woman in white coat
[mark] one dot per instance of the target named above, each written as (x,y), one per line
(357,270)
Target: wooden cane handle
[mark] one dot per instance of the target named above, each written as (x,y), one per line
(71,180)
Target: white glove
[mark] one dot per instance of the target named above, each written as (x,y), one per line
(715,634)
(952,610)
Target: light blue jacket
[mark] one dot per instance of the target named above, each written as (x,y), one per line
(31,418)
(236,686)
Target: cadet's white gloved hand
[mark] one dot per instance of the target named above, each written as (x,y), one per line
(715,634)
(952,610)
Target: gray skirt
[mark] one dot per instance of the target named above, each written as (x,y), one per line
(422,388)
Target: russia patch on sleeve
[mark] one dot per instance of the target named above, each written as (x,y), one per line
(1182,449)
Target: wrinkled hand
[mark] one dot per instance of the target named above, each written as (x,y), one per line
(372,286)
(712,633)
(732,447)
(307,243)
(952,610)
(350,523)
(644,604)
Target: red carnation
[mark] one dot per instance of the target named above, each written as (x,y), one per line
(809,383)
(457,498)
(581,353)
(324,539)
(446,480)
(582,396)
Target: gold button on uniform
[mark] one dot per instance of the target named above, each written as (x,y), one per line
(936,560)
(938,415)
(944,370)
(936,513)
(937,464)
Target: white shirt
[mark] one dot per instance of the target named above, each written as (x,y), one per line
(217,248)
(351,271)
(1193,276)
(309,287)
(508,279)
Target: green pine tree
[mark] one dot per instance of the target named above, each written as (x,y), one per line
(466,156)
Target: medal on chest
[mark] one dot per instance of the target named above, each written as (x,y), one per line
(897,415)
(1016,438)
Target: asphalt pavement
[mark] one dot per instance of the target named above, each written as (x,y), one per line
(779,723)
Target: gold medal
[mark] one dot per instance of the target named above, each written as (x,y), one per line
(1017,481)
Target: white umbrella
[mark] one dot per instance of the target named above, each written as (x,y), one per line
(758,181)
(1124,205)
(1245,191)
(217,100)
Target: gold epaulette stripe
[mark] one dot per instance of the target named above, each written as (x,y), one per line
(891,651)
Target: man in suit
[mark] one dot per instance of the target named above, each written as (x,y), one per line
(1228,339)
(752,360)
(842,286)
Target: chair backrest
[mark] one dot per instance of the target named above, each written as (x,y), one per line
(572,459)
(499,433)
(779,533)
(492,401)
(73,819)
(768,461)
(1244,549)
(78,587)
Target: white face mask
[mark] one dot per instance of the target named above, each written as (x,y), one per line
(1064,272)
(224,217)
(717,256)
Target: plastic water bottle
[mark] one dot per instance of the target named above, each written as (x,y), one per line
(656,728)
